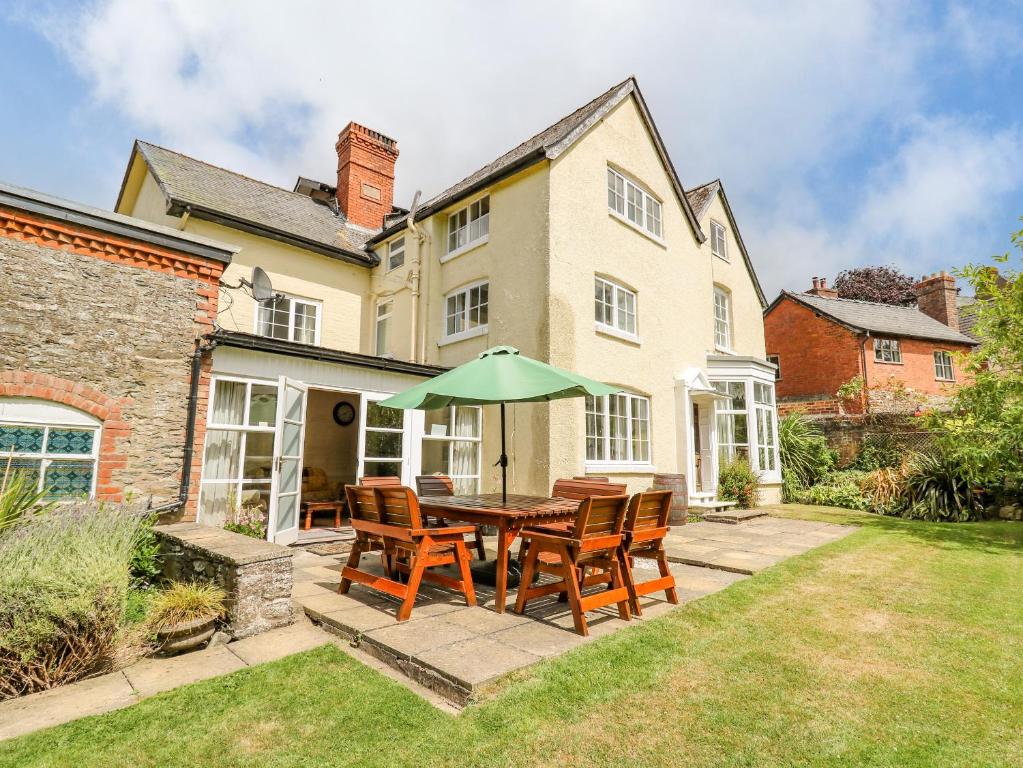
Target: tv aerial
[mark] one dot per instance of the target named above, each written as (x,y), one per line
(258,287)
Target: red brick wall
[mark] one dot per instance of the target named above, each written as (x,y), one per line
(917,368)
(365,157)
(816,355)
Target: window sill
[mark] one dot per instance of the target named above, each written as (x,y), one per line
(724,350)
(634,226)
(888,362)
(607,330)
(945,381)
(480,330)
(619,468)
(464,249)
(723,258)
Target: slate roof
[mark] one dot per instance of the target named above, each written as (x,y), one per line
(881,318)
(701,197)
(191,183)
(967,306)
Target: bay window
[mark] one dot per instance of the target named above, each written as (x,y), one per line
(767,440)
(732,421)
(746,424)
(451,446)
(618,429)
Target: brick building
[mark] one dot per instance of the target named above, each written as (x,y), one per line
(102,318)
(906,357)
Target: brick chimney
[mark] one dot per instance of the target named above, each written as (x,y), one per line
(820,288)
(365,175)
(936,297)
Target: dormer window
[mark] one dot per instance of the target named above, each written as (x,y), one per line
(718,240)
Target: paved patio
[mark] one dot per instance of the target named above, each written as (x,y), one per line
(456,651)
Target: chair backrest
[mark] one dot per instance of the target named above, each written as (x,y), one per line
(583,489)
(650,509)
(374,482)
(398,506)
(600,516)
(435,485)
(362,503)
(593,478)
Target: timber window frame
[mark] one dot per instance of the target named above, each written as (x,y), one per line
(631,202)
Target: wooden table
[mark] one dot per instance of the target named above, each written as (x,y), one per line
(310,508)
(509,518)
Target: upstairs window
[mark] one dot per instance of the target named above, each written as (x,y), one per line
(290,319)
(467,312)
(718,240)
(943,366)
(629,200)
(887,351)
(469,226)
(776,359)
(618,429)
(396,253)
(383,323)
(722,319)
(615,307)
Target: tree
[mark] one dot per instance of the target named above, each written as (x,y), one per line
(885,285)
(984,427)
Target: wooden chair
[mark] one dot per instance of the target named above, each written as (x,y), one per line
(581,489)
(646,525)
(394,517)
(594,541)
(593,478)
(376,482)
(441,485)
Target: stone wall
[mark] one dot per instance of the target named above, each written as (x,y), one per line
(107,326)
(255,574)
(846,434)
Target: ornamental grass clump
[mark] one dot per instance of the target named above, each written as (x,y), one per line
(185,602)
(65,576)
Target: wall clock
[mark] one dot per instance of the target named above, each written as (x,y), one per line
(344,414)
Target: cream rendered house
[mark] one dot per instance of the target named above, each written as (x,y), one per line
(579,247)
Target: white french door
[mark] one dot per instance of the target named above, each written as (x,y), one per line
(286,483)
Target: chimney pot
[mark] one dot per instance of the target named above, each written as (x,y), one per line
(936,297)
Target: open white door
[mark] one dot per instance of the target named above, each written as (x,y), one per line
(289,438)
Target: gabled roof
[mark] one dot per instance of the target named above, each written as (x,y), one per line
(878,318)
(549,144)
(216,194)
(700,197)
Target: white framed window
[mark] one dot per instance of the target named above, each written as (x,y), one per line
(943,370)
(383,444)
(630,201)
(887,351)
(467,312)
(746,424)
(238,459)
(718,240)
(722,319)
(469,226)
(767,439)
(732,421)
(55,446)
(290,318)
(618,429)
(776,359)
(614,308)
(383,322)
(452,440)
(395,253)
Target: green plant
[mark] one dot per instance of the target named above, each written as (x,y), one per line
(738,482)
(852,389)
(19,496)
(183,602)
(879,451)
(64,583)
(939,488)
(885,490)
(248,521)
(145,559)
(837,489)
(805,455)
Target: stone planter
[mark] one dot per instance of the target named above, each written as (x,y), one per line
(186,635)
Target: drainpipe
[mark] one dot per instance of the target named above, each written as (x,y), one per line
(422,238)
(864,399)
(201,350)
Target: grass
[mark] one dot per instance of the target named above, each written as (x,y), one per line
(896,646)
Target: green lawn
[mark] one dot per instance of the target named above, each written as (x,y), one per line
(901,644)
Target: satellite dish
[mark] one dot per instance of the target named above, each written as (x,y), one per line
(262,290)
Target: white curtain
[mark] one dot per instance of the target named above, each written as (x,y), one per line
(464,453)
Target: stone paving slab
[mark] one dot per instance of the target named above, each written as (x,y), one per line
(152,676)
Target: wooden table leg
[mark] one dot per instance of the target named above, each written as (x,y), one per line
(503,544)
(308,517)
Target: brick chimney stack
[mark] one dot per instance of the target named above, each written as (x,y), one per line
(365,175)
(820,288)
(936,297)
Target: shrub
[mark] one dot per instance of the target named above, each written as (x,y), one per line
(885,490)
(185,602)
(248,521)
(879,451)
(837,489)
(145,559)
(738,482)
(805,456)
(939,488)
(19,496)
(64,581)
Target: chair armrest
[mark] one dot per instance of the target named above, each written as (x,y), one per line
(459,530)
(550,537)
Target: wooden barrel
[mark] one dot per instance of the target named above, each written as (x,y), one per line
(679,495)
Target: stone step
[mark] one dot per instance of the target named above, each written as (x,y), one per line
(711,504)
(734,516)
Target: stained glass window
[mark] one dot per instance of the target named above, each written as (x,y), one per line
(21,439)
(58,458)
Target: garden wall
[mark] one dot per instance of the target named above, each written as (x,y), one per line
(255,574)
(848,434)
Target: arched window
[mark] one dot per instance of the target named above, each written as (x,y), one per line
(55,445)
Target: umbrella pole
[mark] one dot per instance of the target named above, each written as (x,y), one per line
(503,462)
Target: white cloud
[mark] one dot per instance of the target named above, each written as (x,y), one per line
(774,98)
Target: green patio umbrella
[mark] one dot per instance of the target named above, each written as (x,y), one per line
(499,375)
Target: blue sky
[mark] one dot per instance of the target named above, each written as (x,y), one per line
(845,133)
